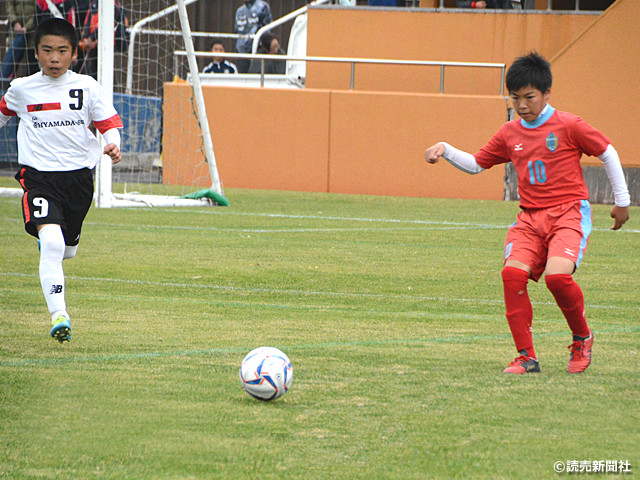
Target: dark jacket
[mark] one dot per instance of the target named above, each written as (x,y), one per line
(500,4)
(249,18)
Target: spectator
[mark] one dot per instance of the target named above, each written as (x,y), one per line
(523,4)
(61,9)
(387,3)
(88,60)
(481,4)
(250,17)
(219,64)
(82,9)
(269,45)
(88,46)
(22,24)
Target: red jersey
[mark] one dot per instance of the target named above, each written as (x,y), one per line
(546,154)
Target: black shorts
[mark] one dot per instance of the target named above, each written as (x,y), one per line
(61,198)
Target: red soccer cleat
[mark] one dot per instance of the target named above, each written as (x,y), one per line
(580,357)
(523,364)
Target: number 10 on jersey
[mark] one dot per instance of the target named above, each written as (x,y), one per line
(537,172)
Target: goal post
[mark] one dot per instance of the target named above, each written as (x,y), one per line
(197,90)
(106,38)
(134,70)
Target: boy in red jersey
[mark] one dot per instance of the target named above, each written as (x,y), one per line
(57,152)
(552,230)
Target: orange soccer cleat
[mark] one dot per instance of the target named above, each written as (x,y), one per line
(580,357)
(523,364)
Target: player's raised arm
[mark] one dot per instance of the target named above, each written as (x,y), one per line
(433,154)
(461,160)
(622,199)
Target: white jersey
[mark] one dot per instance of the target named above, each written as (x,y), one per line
(55,116)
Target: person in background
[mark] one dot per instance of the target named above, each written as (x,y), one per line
(88,47)
(387,3)
(219,64)
(482,4)
(61,9)
(22,24)
(275,49)
(269,45)
(250,17)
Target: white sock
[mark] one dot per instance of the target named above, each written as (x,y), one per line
(51,273)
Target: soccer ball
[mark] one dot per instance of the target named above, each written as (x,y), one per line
(266,373)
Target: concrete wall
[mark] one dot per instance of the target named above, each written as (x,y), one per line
(341,142)
(370,141)
(539,4)
(491,37)
(598,77)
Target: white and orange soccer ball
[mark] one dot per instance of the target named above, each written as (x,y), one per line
(266,373)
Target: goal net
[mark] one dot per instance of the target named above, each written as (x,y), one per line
(136,61)
(157,168)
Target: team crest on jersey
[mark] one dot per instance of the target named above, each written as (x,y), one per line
(552,142)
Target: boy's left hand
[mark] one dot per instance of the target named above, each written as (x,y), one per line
(620,215)
(113,151)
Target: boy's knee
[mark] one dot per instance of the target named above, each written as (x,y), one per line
(512,274)
(558,282)
(51,241)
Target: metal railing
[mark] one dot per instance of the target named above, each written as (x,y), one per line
(284,19)
(133,32)
(137,29)
(530,10)
(354,62)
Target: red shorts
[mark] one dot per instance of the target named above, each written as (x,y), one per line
(560,231)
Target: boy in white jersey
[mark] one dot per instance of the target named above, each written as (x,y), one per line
(57,153)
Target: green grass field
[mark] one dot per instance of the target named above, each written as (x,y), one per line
(390,310)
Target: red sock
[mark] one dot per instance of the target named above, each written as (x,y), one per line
(570,299)
(519,309)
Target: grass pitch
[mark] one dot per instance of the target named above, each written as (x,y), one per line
(390,310)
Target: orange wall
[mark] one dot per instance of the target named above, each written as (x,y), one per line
(343,142)
(378,140)
(598,78)
(490,37)
(267,139)
(180,142)
(540,4)
(371,142)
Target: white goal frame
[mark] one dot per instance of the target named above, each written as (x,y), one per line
(105,198)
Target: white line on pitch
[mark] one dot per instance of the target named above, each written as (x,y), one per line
(285,230)
(303,292)
(449,225)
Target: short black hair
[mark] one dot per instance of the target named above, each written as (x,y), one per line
(529,70)
(265,41)
(59,28)
(217,42)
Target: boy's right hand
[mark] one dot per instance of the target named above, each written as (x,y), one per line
(432,154)
(620,216)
